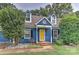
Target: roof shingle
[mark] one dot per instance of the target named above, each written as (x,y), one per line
(35,19)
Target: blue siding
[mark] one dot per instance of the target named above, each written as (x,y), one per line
(33,37)
(48,34)
(34,34)
(2,38)
(22,40)
(46,22)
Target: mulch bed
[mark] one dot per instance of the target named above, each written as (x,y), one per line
(19,50)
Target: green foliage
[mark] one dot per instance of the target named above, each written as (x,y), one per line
(3,5)
(44,12)
(69,29)
(77,13)
(12,22)
(35,12)
(59,9)
(59,42)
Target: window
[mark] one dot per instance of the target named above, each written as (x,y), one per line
(28,17)
(55,34)
(44,22)
(27,34)
(54,19)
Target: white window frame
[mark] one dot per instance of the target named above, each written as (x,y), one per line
(30,18)
(54,19)
(27,34)
(54,34)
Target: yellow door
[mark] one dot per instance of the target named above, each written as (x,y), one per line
(42,34)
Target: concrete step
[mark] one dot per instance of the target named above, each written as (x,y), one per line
(43,43)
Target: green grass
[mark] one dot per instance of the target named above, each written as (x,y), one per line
(58,50)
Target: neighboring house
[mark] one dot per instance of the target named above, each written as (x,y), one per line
(39,28)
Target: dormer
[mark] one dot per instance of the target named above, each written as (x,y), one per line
(53,19)
(28,17)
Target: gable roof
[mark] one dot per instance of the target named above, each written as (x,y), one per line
(36,19)
(42,20)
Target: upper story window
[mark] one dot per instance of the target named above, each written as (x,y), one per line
(28,17)
(53,19)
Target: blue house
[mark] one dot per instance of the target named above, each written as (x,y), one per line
(40,29)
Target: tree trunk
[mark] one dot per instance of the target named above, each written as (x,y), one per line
(15,41)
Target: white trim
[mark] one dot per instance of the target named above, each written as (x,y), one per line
(43,26)
(42,19)
(36,35)
(25,34)
(54,33)
(26,37)
(30,19)
(55,19)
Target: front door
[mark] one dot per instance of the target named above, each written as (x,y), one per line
(42,34)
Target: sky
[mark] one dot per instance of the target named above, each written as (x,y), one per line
(32,6)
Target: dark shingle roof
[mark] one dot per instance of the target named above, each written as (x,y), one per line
(35,19)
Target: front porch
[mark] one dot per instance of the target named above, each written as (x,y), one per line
(43,34)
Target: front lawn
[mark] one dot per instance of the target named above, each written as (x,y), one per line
(58,50)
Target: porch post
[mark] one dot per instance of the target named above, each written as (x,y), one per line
(51,34)
(36,35)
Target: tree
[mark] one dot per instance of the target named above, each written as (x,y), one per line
(35,12)
(43,12)
(12,23)
(77,13)
(3,5)
(59,9)
(69,29)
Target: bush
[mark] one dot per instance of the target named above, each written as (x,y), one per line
(69,29)
(59,42)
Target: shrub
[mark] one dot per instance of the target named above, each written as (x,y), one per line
(69,29)
(59,42)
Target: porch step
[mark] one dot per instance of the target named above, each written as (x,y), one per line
(42,43)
